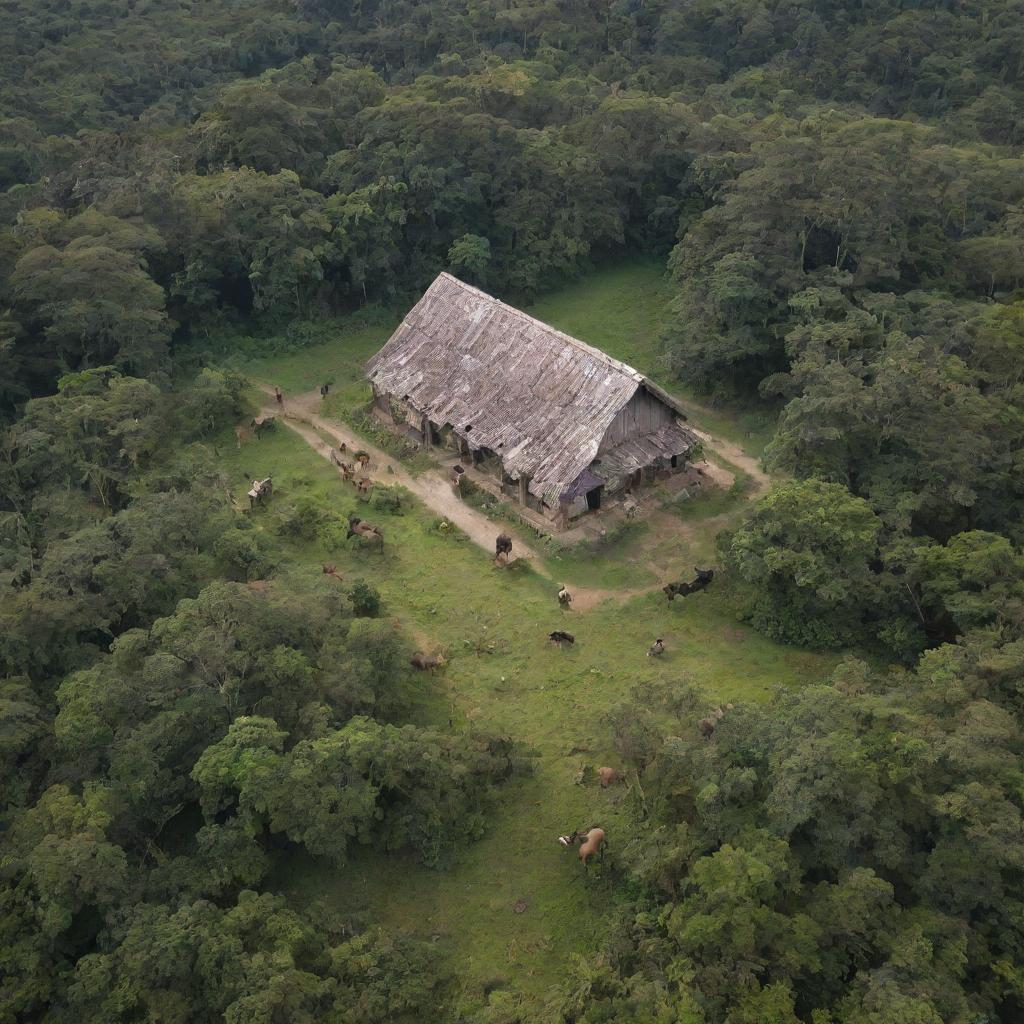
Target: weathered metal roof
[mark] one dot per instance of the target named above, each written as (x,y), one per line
(539,398)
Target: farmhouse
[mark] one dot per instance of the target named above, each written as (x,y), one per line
(559,425)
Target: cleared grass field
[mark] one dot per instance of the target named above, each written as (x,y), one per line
(504,677)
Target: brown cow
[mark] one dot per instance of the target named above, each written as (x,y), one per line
(367,531)
(591,842)
(609,776)
(427,662)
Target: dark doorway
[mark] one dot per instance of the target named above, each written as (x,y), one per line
(594,497)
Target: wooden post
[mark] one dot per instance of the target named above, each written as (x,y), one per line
(426,432)
(523,481)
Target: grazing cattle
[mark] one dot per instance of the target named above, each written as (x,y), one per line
(503,547)
(564,597)
(260,490)
(456,477)
(703,578)
(591,842)
(609,776)
(366,531)
(261,423)
(330,570)
(656,649)
(426,662)
(561,638)
(707,725)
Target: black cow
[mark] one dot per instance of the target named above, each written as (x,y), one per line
(703,578)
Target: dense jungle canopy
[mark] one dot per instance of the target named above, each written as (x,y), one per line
(837,193)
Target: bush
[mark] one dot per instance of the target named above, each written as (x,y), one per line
(387,499)
(303,520)
(806,551)
(365,600)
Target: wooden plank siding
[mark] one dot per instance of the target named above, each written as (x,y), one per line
(642,414)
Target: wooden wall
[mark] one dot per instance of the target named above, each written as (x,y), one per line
(642,414)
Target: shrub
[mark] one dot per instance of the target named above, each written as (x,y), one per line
(365,600)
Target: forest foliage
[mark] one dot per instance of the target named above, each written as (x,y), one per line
(837,192)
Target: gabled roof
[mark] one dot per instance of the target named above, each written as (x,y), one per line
(539,398)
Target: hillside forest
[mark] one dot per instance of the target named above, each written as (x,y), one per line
(834,193)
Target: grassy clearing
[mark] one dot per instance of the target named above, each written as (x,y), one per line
(337,361)
(445,593)
(615,562)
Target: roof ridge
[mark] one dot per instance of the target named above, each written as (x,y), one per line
(641,378)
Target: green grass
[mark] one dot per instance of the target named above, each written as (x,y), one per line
(338,361)
(446,593)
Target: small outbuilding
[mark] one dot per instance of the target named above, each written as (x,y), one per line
(562,427)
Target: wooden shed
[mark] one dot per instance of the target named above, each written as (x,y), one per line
(563,427)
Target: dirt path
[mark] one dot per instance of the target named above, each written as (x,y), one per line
(435,491)
(738,457)
(431,487)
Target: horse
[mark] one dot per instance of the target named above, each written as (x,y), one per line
(503,546)
(703,578)
(561,638)
(363,458)
(591,842)
(363,485)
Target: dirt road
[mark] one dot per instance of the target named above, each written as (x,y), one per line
(431,487)
(435,491)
